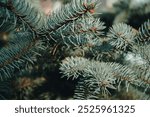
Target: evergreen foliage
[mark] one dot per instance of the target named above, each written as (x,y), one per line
(73,43)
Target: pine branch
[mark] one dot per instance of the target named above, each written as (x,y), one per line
(27,13)
(144,52)
(17,53)
(98,76)
(8,20)
(81,91)
(143,77)
(73,67)
(69,13)
(144,33)
(122,36)
(89,26)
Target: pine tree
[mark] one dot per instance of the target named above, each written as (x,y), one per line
(73,43)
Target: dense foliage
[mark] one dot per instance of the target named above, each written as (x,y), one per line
(75,52)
